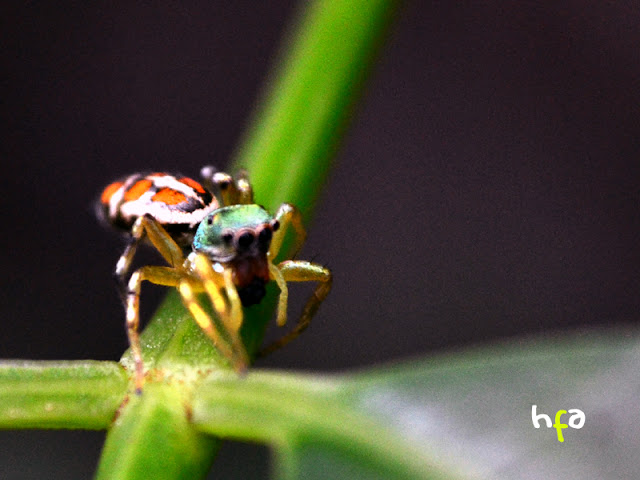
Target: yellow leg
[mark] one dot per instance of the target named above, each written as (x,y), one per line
(287,215)
(160,239)
(187,292)
(301,271)
(245,191)
(235,312)
(220,184)
(235,316)
(211,282)
(228,190)
(163,242)
(230,314)
(283,298)
(158,275)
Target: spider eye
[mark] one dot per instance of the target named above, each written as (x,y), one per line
(227,237)
(265,235)
(210,220)
(246,239)
(264,238)
(275,225)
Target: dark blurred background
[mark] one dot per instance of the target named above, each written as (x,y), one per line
(488,186)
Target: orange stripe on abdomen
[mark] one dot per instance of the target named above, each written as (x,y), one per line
(193,184)
(137,190)
(108,192)
(169,196)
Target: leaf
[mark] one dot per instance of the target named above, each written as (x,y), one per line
(78,394)
(456,416)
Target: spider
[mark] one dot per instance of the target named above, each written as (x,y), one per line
(221,245)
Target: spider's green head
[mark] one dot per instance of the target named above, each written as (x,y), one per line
(235,232)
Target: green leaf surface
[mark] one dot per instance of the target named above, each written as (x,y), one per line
(78,394)
(456,416)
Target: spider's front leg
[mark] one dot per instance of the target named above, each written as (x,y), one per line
(191,277)
(224,328)
(300,271)
(294,271)
(287,216)
(167,276)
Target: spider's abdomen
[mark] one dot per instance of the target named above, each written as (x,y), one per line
(178,204)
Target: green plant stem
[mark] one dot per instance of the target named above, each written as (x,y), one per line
(290,141)
(295,131)
(80,394)
(152,438)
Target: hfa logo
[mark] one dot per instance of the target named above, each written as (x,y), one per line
(576,420)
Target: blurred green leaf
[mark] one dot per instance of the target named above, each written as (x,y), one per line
(455,416)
